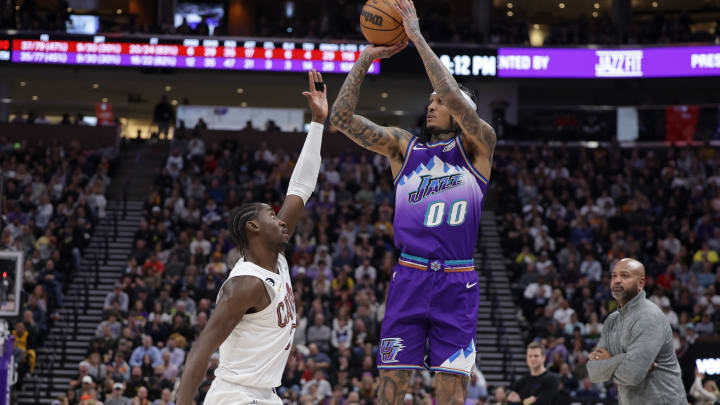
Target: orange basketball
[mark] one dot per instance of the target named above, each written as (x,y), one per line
(381,24)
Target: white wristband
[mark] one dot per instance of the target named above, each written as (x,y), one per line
(304,177)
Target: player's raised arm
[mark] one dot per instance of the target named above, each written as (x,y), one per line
(387,141)
(238,296)
(307,168)
(479,133)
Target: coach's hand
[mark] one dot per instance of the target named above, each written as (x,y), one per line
(383,52)
(317,99)
(600,354)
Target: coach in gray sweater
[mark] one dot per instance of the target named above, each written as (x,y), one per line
(636,346)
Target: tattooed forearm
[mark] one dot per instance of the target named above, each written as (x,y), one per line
(393,386)
(344,107)
(447,88)
(359,129)
(489,138)
(442,80)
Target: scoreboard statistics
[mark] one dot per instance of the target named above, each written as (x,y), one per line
(269,55)
(183,53)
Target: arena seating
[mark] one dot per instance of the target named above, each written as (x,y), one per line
(566,216)
(53,197)
(569,215)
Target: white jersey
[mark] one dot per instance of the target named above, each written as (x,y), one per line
(255,353)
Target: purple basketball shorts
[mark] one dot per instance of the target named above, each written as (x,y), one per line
(431,311)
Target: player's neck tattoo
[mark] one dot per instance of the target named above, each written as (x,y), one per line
(439,135)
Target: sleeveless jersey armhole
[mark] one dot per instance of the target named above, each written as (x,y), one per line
(469,164)
(270,291)
(410,146)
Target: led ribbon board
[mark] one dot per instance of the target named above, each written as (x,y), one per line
(188,53)
(608,63)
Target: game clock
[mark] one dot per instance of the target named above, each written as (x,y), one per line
(478,65)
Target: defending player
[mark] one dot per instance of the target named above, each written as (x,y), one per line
(254,317)
(440,184)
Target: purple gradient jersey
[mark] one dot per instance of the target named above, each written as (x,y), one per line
(438,201)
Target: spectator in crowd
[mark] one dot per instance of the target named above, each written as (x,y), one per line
(320,334)
(117,295)
(540,386)
(148,349)
(116,397)
(477,386)
(588,390)
(177,355)
(704,391)
(163,116)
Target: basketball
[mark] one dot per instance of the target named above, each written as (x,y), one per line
(381,24)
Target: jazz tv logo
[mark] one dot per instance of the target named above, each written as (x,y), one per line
(619,63)
(389,349)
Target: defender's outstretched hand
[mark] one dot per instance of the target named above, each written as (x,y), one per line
(317,97)
(406,8)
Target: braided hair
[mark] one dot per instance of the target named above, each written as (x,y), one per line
(240,217)
(426,134)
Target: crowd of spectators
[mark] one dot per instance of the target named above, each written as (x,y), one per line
(441,23)
(341,256)
(659,28)
(53,198)
(569,215)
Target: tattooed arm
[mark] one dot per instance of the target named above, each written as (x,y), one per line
(477,134)
(387,141)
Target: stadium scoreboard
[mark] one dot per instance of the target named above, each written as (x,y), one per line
(174,52)
(184,53)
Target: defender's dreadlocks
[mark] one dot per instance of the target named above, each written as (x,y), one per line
(426,134)
(240,218)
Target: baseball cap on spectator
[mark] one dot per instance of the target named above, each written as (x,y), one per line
(84,364)
(87,380)
(301,270)
(117,386)
(664,302)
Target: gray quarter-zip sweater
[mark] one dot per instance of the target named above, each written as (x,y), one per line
(637,335)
